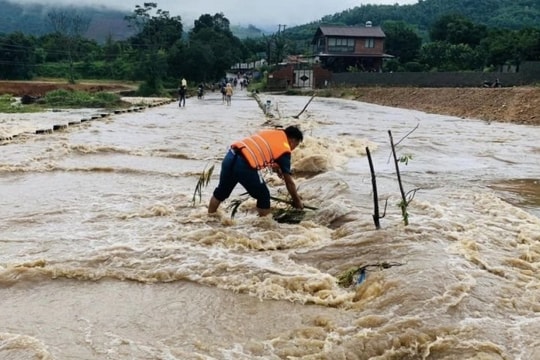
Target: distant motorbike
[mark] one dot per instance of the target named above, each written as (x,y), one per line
(492,84)
(200,92)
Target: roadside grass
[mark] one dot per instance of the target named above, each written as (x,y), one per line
(12,105)
(63,99)
(81,99)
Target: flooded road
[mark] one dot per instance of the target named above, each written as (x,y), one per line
(107,254)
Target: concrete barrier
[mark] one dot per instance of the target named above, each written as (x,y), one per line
(60,127)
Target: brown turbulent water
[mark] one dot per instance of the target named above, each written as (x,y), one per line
(104,255)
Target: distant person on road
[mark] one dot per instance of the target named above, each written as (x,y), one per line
(228,93)
(223,93)
(200,91)
(246,158)
(182,96)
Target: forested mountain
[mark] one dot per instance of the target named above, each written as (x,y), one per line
(32,19)
(510,14)
(104,22)
(431,35)
(506,14)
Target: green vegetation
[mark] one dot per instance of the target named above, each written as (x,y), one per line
(157,51)
(204,180)
(434,35)
(507,14)
(258,85)
(62,99)
(11,105)
(81,99)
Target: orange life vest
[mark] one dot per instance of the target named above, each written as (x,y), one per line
(262,149)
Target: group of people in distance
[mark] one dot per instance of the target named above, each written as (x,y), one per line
(226,90)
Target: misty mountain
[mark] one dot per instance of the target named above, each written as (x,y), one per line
(509,14)
(32,19)
(104,22)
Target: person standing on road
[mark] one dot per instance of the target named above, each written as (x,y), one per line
(200,91)
(246,158)
(222,90)
(228,93)
(182,96)
(182,91)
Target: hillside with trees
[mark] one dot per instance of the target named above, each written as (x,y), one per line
(505,14)
(436,35)
(104,23)
(32,19)
(160,48)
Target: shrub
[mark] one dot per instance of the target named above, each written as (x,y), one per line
(81,99)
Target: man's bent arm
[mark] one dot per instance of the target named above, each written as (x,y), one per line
(291,188)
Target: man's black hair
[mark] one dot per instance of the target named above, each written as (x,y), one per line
(294,132)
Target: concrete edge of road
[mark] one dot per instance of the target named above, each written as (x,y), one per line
(266,106)
(63,126)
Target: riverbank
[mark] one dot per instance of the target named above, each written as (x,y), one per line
(40,88)
(520,105)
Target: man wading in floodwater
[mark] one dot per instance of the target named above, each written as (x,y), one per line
(245,159)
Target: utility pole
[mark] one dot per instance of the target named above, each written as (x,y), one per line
(279,42)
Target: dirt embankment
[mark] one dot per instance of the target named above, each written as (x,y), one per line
(517,105)
(40,88)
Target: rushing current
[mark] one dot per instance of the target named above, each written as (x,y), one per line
(107,250)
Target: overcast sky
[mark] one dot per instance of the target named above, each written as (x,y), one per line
(240,12)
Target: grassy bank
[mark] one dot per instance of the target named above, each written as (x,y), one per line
(61,99)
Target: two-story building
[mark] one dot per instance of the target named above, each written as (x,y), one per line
(338,48)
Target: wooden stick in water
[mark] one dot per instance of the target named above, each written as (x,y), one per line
(290,203)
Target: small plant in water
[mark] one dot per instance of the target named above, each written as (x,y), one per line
(203,181)
(405,159)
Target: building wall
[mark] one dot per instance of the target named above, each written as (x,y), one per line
(530,69)
(281,79)
(529,74)
(284,78)
(321,77)
(360,47)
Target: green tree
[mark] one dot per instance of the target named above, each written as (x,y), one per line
(52,45)
(224,49)
(401,41)
(443,56)
(499,48)
(17,56)
(433,54)
(503,46)
(157,32)
(69,27)
(457,29)
(253,48)
(528,43)
(217,22)
(461,57)
(199,62)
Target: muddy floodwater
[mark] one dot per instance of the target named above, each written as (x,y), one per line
(105,252)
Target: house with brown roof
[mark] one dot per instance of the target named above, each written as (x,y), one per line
(338,48)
